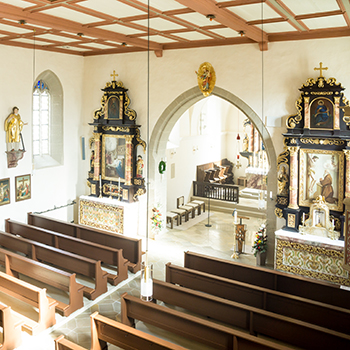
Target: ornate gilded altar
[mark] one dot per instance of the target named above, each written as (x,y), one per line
(116,167)
(316,157)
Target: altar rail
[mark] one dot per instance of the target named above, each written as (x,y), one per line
(229,193)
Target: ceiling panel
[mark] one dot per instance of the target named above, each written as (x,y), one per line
(111,7)
(30,41)
(325,22)
(254,12)
(159,24)
(302,7)
(175,24)
(72,15)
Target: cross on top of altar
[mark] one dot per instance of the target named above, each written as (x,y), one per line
(114,75)
(321,69)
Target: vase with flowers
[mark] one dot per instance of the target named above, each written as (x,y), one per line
(260,246)
(156,221)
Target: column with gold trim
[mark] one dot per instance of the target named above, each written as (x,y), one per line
(347,173)
(97,161)
(128,165)
(293,180)
(306,112)
(336,113)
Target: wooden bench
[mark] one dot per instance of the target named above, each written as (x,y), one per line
(33,296)
(104,330)
(181,213)
(180,202)
(11,328)
(74,245)
(201,205)
(314,312)
(188,326)
(60,258)
(170,217)
(16,264)
(132,247)
(307,288)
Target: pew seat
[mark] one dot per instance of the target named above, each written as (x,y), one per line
(170,217)
(33,296)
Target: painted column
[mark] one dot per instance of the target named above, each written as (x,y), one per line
(336,113)
(97,162)
(128,160)
(347,174)
(306,113)
(293,179)
(251,138)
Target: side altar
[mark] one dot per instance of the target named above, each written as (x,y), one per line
(313,183)
(116,171)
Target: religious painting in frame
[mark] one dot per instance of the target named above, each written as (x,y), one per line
(114,107)
(23,187)
(5,191)
(321,173)
(321,113)
(113,157)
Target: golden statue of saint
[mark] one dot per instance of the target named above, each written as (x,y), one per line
(13,126)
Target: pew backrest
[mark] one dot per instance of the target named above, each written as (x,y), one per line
(132,247)
(60,258)
(16,264)
(11,328)
(310,289)
(33,296)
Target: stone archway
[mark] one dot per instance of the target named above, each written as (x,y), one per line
(166,122)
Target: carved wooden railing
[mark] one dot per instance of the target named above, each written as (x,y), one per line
(229,193)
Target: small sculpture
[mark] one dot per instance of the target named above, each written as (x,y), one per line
(139,167)
(13,128)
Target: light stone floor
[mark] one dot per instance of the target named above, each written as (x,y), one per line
(216,240)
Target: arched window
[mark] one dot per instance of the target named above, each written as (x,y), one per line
(47,121)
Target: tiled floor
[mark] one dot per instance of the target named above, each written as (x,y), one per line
(216,240)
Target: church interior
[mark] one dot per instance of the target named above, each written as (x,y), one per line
(176,174)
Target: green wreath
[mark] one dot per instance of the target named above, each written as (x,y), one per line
(161,167)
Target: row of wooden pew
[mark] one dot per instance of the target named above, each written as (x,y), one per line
(54,252)
(234,306)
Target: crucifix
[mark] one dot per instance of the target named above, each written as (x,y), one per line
(321,69)
(114,75)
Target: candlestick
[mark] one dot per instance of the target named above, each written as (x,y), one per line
(100,196)
(303,219)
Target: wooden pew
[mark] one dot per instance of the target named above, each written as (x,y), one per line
(324,315)
(88,249)
(304,287)
(33,296)
(61,343)
(132,247)
(104,330)
(188,326)
(57,257)
(11,328)
(16,264)
(254,320)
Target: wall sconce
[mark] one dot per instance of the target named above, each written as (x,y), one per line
(195,148)
(173,152)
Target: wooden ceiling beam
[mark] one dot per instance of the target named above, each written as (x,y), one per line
(45,20)
(225,17)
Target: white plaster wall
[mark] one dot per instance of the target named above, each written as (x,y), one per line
(54,186)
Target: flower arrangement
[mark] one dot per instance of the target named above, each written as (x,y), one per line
(156,219)
(260,243)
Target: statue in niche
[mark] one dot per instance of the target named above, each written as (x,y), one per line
(139,167)
(245,143)
(13,128)
(283,181)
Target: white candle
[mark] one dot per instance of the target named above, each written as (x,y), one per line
(333,223)
(235,216)
(303,218)
(100,181)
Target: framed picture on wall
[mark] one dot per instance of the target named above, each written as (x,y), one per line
(321,173)
(5,191)
(23,187)
(113,157)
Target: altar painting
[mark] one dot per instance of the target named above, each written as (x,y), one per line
(321,112)
(321,173)
(113,157)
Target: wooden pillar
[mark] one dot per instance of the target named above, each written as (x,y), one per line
(306,113)
(97,161)
(347,174)
(293,179)
(128,160)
